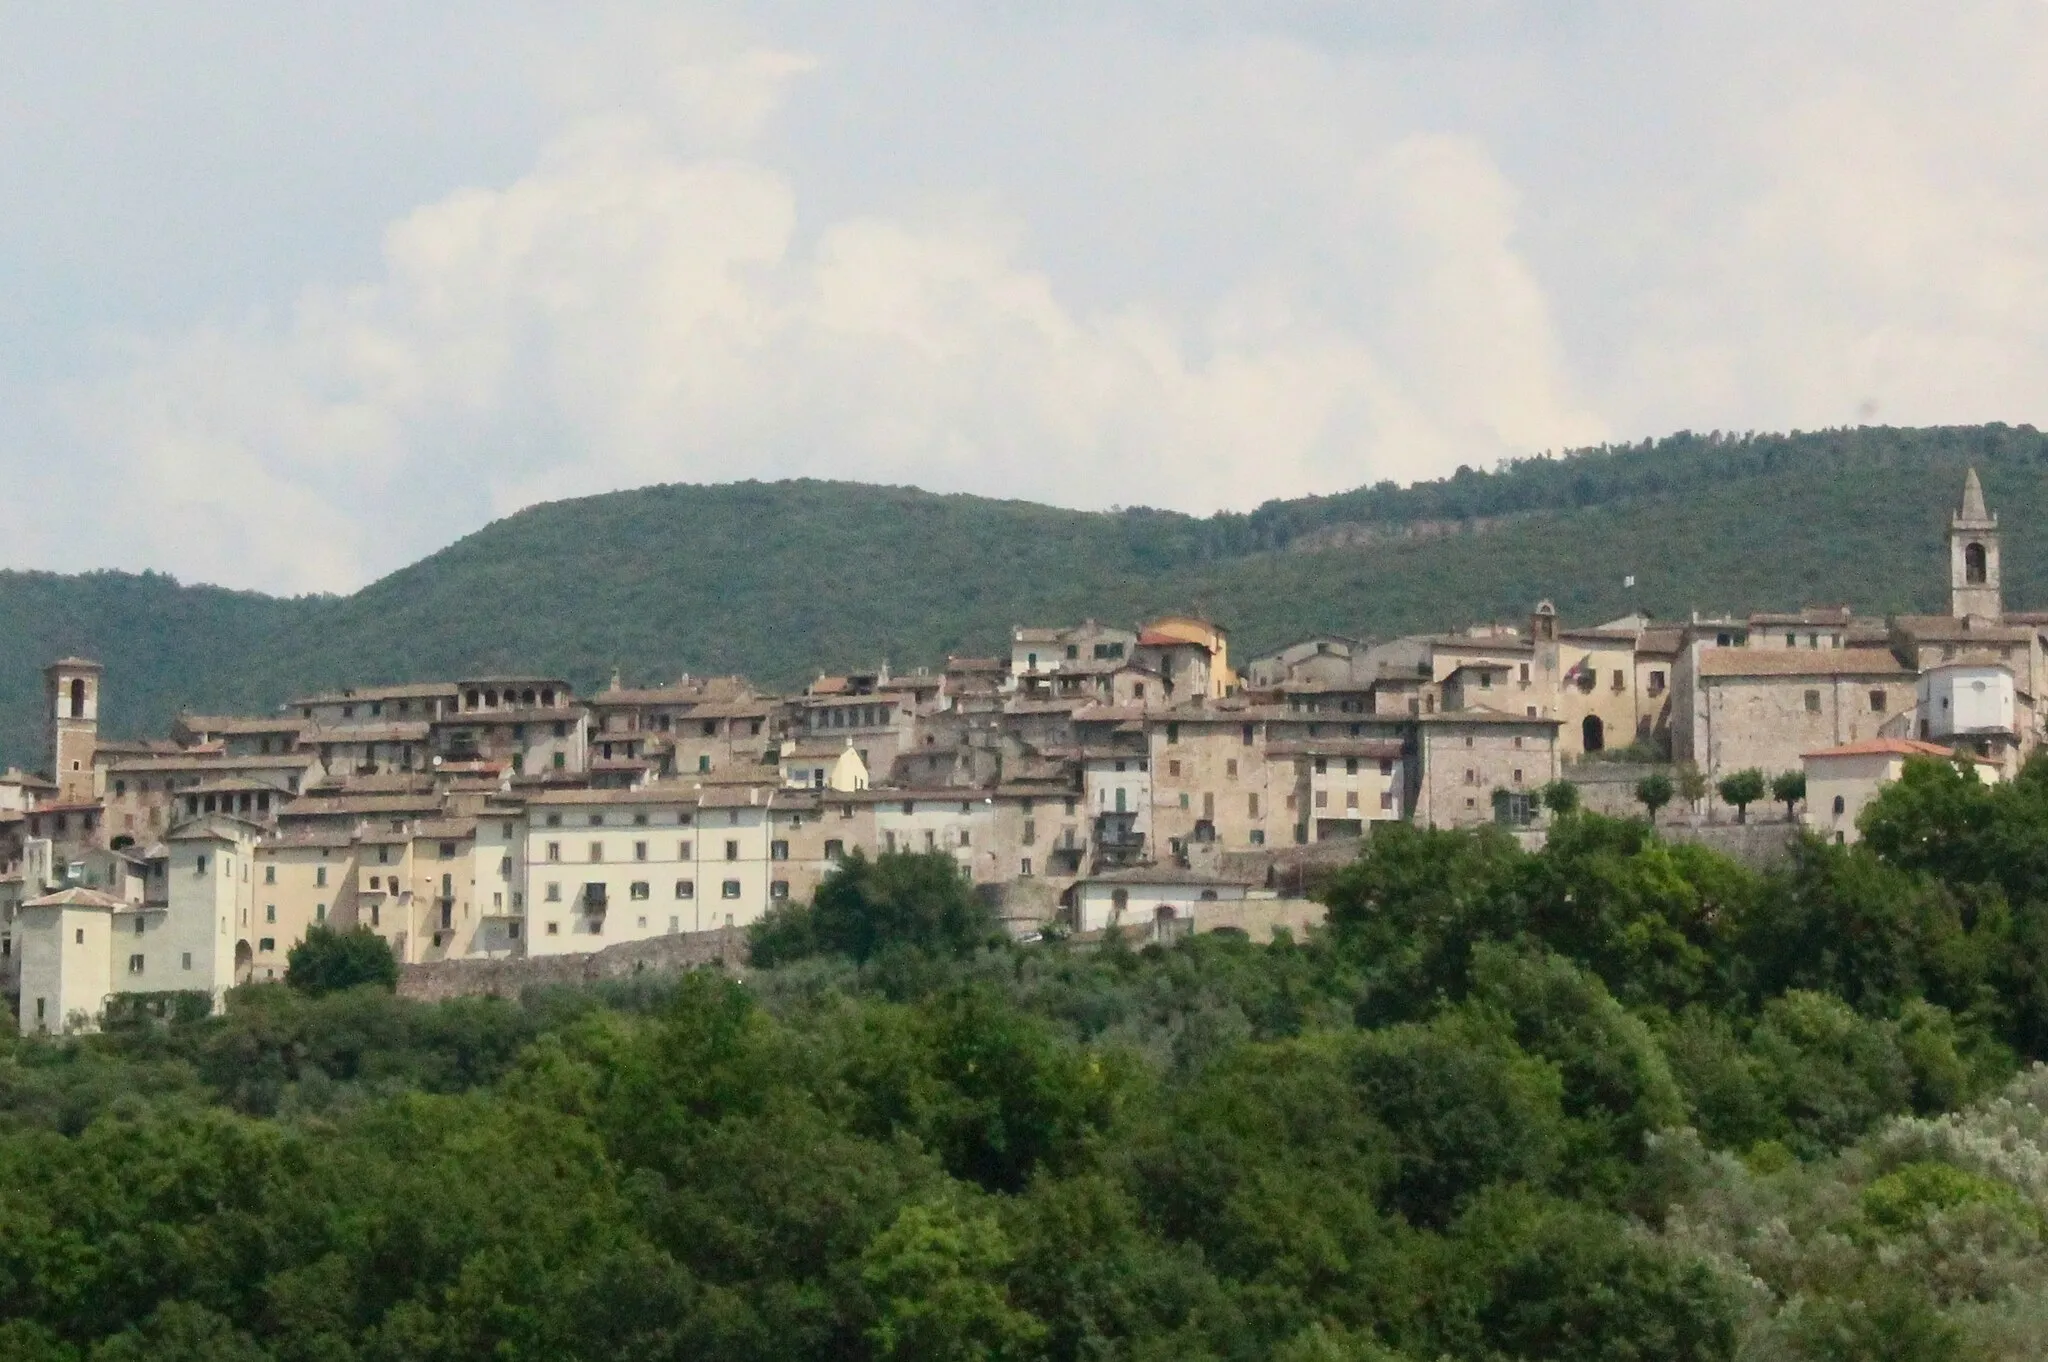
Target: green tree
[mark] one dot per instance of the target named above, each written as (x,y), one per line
(1653,792)
(1788,788)
(937,1273)
(898,899)
(1691,782)
(1560,797)
(1742,789)
(328,961)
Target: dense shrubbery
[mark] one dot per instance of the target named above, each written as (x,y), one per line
(1617,1099)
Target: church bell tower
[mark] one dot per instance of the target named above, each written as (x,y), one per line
(72,702)
(1973,557)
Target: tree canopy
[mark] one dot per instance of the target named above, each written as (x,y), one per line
(1613,1098)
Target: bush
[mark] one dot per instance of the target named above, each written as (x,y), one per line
(328,961)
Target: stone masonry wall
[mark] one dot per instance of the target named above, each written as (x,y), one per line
(442,979)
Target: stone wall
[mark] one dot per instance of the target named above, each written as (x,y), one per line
(1761,842)
(1609,787)
(440,979)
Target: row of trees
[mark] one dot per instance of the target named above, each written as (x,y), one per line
(1658,789)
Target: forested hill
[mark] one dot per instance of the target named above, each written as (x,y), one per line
(780,580)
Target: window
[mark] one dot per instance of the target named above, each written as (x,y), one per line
(682,851)
(185,961)
(270,874)
(729,890)
(834,849)
(1386,799)
(1841,805)
(1024,868)
(597,820)
(1322,799)
(686,889)
(1173,733)
(135,964)
(267,944)
(1525,673)
(139,926)
(1230,769)
(597,851)
(1351,766)
(779,889)
(554,851)
(1656,683)
(1813,702)
(1252,805)
(639,851)
(319,912)
(704,763)
(554,891)
(778,851)
(269,913)
(320,876)
(79,936)
(1173,769)
(1877,702)
(199,865)
(1245,735)
(638,890)
(1351,796)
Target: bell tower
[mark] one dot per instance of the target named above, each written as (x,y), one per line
(71,693)
(1973,557)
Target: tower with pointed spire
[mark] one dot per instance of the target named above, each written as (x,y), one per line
(1973,557)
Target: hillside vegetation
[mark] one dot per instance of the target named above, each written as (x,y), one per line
(779,580)
(1616,1100)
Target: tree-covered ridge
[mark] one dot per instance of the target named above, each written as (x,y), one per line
(783,580)
(1612,1099)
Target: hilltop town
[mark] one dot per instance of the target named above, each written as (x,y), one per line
(1096,775)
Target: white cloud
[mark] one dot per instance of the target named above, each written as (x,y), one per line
(629,312)
(1100,254)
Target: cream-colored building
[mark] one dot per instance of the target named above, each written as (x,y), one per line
(1842,781)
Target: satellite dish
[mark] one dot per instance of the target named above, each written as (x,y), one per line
(437,761)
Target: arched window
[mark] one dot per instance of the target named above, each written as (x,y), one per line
(78,697)
(1973,564)
(1841,806)
(1593,733)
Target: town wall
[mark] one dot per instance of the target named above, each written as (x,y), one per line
(439,980)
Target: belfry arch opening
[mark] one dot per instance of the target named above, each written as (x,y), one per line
(1974,570)
(77,697)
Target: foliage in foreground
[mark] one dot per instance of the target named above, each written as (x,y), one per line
(1616,1099)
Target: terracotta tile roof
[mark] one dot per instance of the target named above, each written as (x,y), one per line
(1946,629)
(77,897)
(1897,747)
(427,690)
(1747,662)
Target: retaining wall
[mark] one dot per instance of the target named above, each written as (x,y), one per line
(440,979)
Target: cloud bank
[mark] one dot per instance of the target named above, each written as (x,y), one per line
(1097,260)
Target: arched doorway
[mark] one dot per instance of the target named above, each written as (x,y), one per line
(1593,733)
(245,962)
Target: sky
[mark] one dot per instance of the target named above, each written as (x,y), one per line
(293,295)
